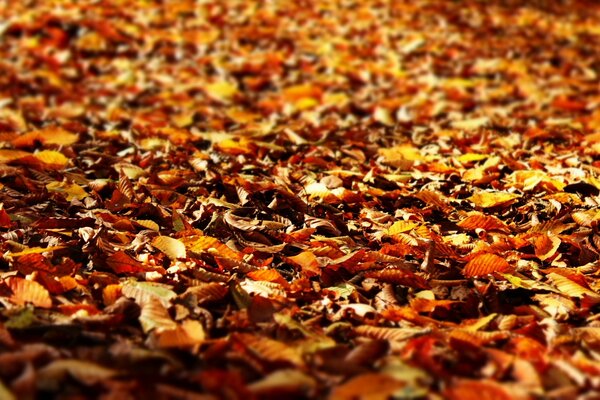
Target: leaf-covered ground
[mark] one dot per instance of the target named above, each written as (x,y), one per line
(299,199)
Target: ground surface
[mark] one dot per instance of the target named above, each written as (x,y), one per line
(309,199)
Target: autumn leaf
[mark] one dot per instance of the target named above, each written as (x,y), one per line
(476,220)
(173,248)
(492,199)
(371,386)
(221,90)
(25,291)
(308,262)
(402,156)
(53,159)
(189,333)
(299,200)
(269,349)
(52,375)
(572,288)
(120,262)
(485,264)
(71,191)
(49,135)
(482,390)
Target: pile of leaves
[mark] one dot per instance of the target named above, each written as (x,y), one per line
(312,199)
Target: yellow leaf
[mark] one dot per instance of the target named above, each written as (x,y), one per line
(402,156)
(173,248)
(471,157)
(400,227)
(384,116)
(474,174)
(201,243)
(530,179)
(69,190)
(492,199)
(571,288)
(221,90)
(235,147)
(148,223)
(317,190)
(35,250)
(469,124)
(52,157)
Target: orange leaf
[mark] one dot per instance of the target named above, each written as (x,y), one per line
(201,243)
(426,305)
(434,199)
(477,337)
(206,292)
(268,275)
(478,390)
(393,334)
(25,291)
(189,333)
(374,385)
(308,262)
(485,264)
(546,246)
(53,159)
(49,135)
(111,293)
(399,277)
(477,220)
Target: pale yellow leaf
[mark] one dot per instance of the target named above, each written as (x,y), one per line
(173,248)
(70,190)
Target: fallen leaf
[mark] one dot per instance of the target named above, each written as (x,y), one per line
(173,248)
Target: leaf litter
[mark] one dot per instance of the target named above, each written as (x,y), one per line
(306,199)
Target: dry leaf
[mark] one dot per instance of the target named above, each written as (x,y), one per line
(25,291)
(485,264)
(173,248)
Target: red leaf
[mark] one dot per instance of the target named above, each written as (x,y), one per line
(122,263)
